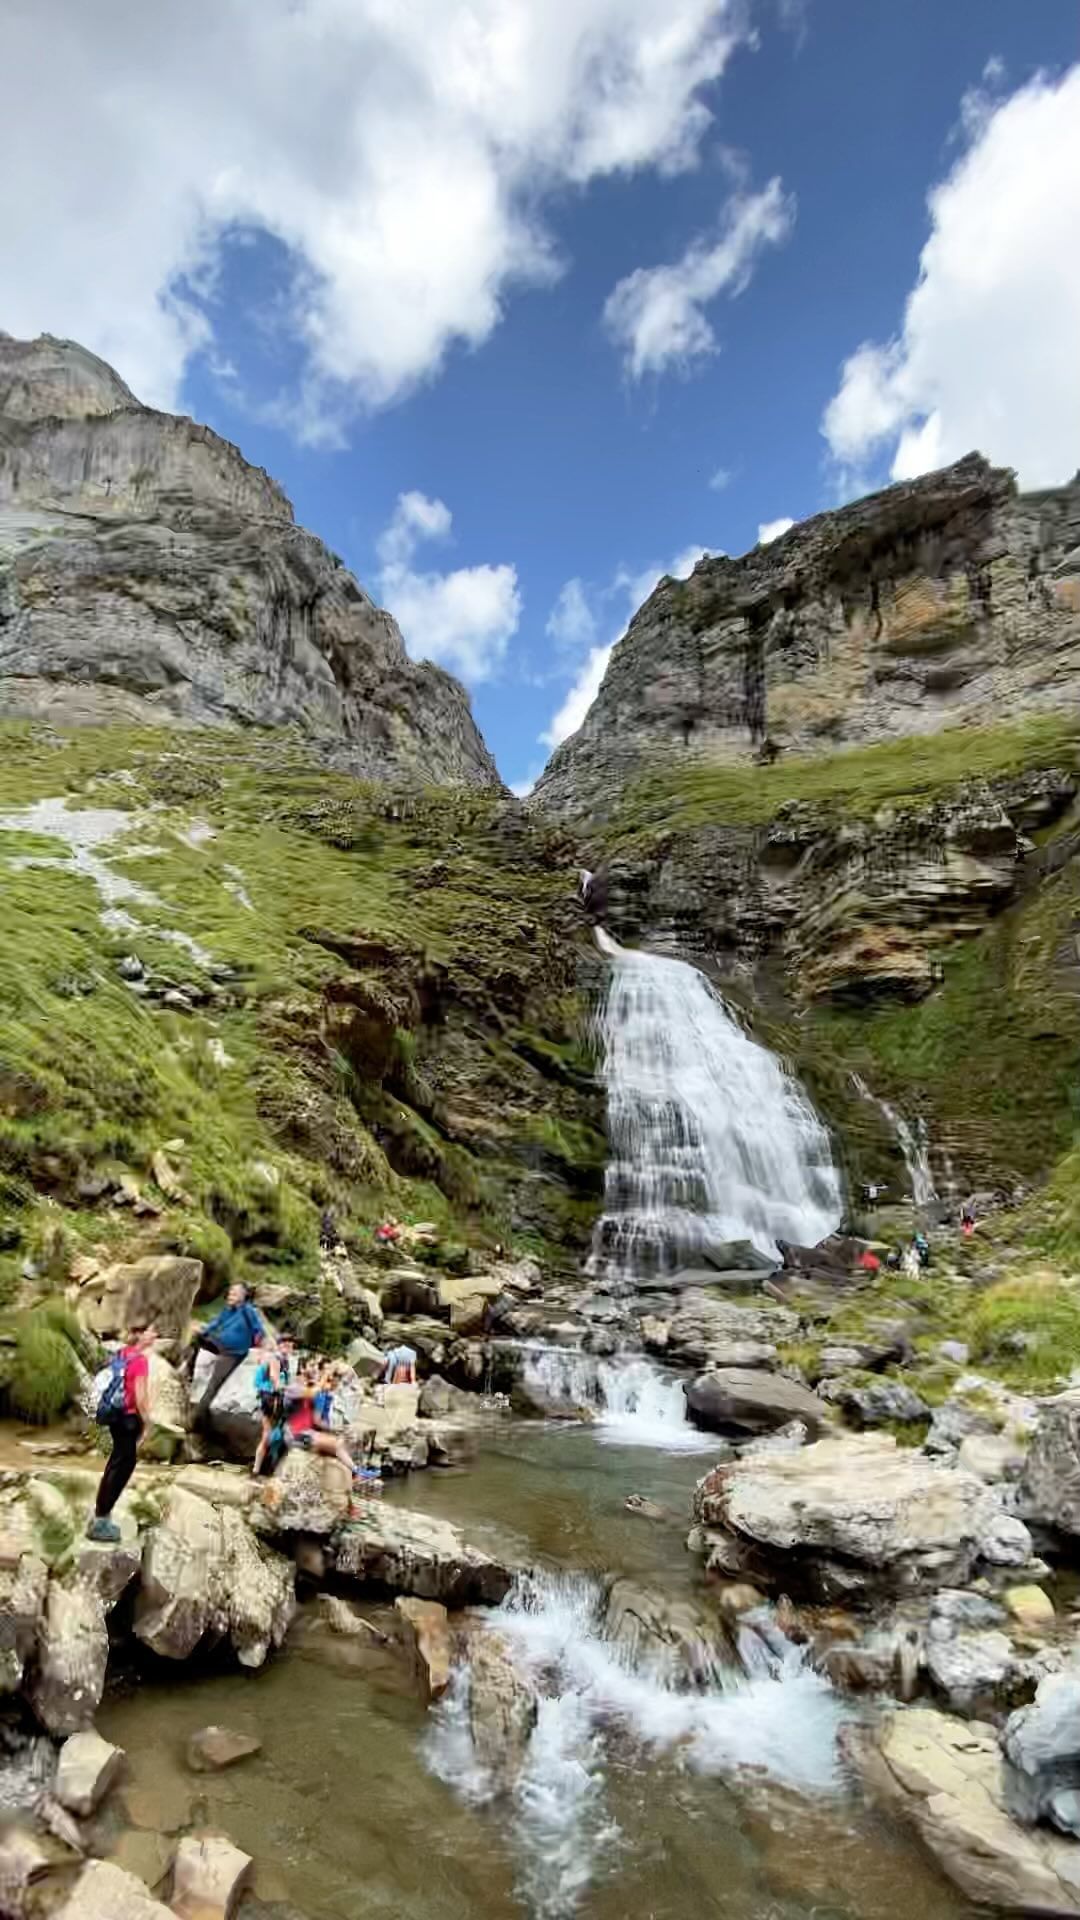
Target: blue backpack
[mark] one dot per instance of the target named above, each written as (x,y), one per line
(110,1381)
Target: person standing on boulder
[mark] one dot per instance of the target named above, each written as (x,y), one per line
(126,1426)
(230,1337)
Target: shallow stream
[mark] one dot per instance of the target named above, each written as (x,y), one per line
(635,1801)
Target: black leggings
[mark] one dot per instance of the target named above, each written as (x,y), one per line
(125,1429)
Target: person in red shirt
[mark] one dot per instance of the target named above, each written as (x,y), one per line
(306,1422)
(126,1428)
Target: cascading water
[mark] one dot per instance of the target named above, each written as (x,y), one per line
(779,1721)
(634,1404)
(911,1141)
(711,1140)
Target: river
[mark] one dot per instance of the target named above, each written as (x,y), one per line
(636,1801)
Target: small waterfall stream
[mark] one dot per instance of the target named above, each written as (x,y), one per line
(633,1402)
(911,1139)
(711,1140)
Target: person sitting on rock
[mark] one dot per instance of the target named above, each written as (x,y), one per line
(229,1336)
(271,1380)
(302,1423)
(126,1427)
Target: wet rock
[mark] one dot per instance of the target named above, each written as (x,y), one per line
(143,1853)
(678,1642)
(344,1619)
(947,1776)
(213,1748)
(646,1509)
(755,1402)
(1042,1749)
(23,1587)
(87,1768)
(161,1288)
(426,1631)
(436,1398)
(502,1708)
(209,1876)
(406,1552)
(105,1892)
(787,1439)
(850,1517)
(72,1653)
(204,1575)
(655,1333)
(975,1670)
(23,1860)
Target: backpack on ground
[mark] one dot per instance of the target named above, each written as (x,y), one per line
(107,1393)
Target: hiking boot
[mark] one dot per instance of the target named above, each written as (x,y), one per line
(104,1530)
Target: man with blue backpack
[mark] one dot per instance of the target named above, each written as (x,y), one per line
(123,1410)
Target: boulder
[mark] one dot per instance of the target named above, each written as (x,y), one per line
(992,1456)
(974,1670)
(1030,1607)
(702,1323)
(308,1493)
(147,1855)
(213,1748)
(751,1401)
(110,1566)
(1051,1480)
(23,1860)
(436,1398)
(23,1587)
(72,1654)
(850,1518)
(222,1486)
(234,1416)
(879,1403)
(364,1358)
(168,1397)
(1042,1751)
(502,1708)
(406,1552)
(209,1876)
(678,1642)
(204,1576)
(86,1769)
(162,1288)
(426,1632)
(105,1892)
(947,1776)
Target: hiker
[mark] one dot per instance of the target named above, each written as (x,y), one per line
(329,1237)
(230,1337)
(967,1219)
(398,1368)
(304,1429)
(271,1380)
(123,1409)
(922,1247)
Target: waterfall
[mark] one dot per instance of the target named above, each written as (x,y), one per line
(711,1140)
(634,1403)
(780,1721)
(911,1141)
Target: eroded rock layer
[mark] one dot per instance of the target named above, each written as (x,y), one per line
(148,573)
(946,598)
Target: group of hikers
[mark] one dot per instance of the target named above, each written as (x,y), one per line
(295,1398)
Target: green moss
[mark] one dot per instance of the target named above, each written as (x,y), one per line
(1028,1328)
(857,782)
(44,1372)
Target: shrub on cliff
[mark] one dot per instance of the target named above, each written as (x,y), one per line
(44,1372)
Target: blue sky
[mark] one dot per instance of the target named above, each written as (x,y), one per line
(460,406)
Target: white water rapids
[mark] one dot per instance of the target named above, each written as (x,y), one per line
(780,1722)
(711,1140)
(633,1403)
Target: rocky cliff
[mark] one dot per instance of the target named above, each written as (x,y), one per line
(946,600)
(149,574)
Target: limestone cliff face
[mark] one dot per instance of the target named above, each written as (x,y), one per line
(947,599)
(148,573)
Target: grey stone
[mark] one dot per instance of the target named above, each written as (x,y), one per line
(753,1401)
(1041,1743)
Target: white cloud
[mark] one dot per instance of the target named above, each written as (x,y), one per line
(772,529)
(986,356)
(630,590)
(400,155)
(656,315)
(572,622)
(464,618)
(720,479)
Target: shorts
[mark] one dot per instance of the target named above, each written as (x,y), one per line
(305,1439)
